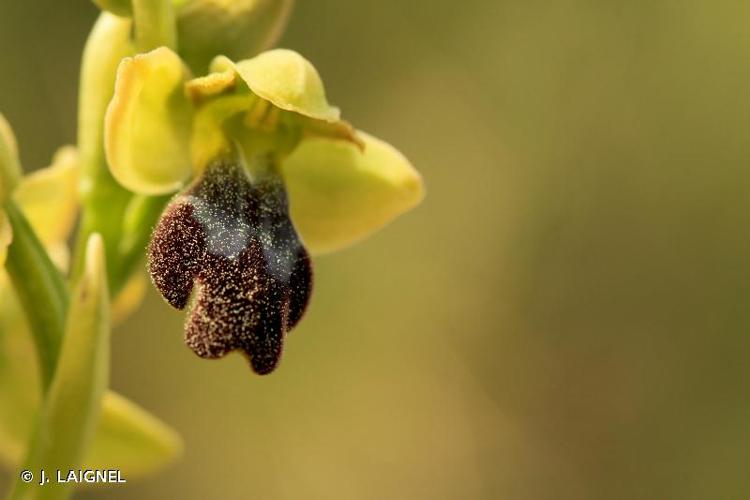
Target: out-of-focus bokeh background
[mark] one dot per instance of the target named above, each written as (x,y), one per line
(565,317)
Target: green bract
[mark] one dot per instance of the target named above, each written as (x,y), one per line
(70,412)
(235,28)
(342,185)
(126,436)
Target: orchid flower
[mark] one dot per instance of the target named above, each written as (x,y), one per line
(266,173)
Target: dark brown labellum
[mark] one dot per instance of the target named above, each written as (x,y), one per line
(232,239)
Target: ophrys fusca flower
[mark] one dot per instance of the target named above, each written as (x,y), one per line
(266,171)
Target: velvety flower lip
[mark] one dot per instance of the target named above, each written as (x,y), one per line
(233,239)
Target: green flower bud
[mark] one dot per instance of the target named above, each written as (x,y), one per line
(10,169)
(237,29)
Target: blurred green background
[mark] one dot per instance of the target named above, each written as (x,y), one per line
(565,317)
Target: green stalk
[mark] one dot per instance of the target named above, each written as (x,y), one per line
(155,24)
(40,288)
(104,201)
(139,221)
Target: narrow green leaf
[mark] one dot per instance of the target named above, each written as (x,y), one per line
(70,412)
(40,288)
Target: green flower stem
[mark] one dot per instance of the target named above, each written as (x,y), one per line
(40,288)
(155,24)
(140,219)
(103,200)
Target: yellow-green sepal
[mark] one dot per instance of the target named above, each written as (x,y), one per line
(71,408)
(148,124)
(339,193)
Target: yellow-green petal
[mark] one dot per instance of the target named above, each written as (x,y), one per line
(287,80)
(147,127)
(211,85)
(339,194)
(49,197)
(10,168)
